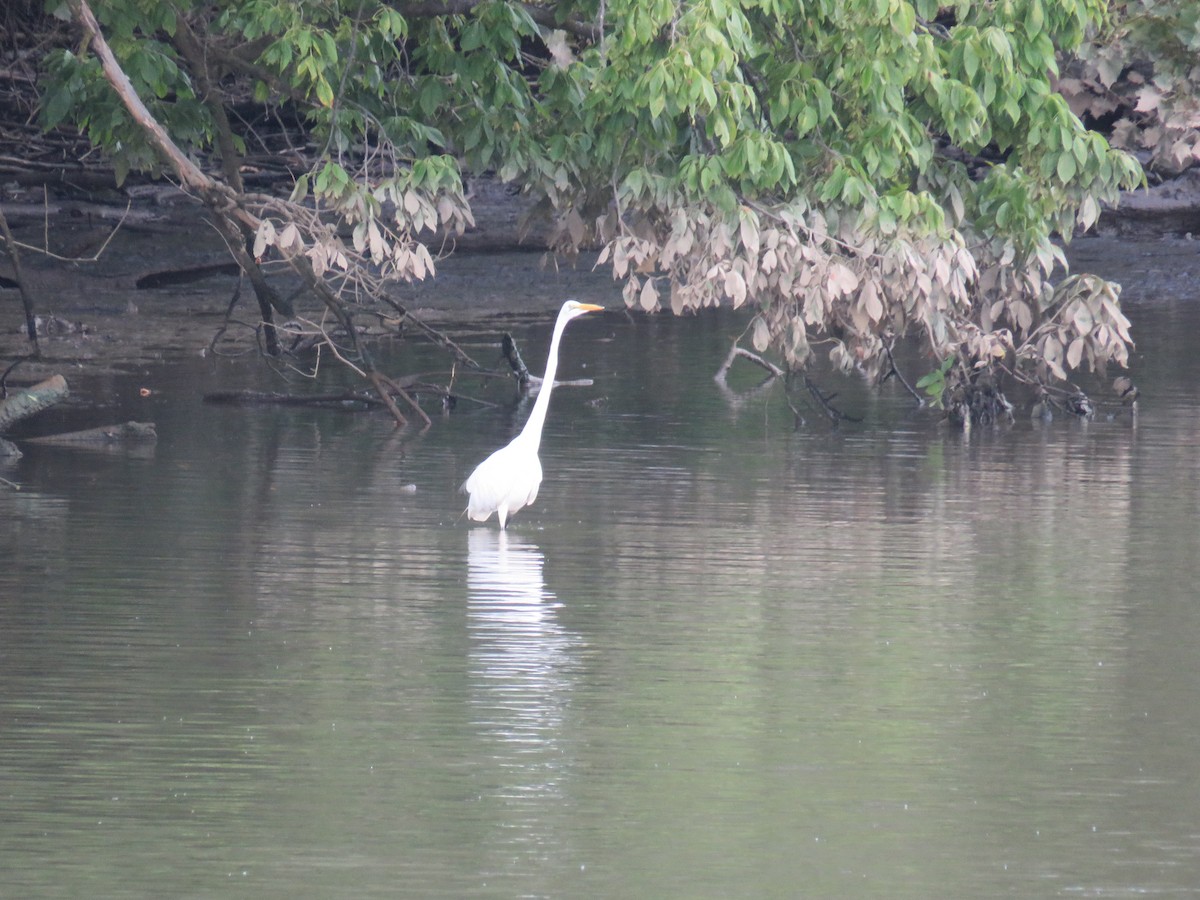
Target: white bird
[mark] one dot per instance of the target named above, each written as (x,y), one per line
(509,479)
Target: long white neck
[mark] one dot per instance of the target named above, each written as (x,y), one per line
(532,432)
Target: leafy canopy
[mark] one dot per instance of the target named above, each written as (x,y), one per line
(854,170)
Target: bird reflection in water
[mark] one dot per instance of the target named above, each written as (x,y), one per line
(523,668)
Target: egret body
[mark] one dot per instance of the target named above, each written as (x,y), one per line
(509,479)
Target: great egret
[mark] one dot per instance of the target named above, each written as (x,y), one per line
(509,479)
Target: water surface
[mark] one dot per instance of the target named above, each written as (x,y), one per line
(718,657)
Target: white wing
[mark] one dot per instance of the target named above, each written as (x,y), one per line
(504,482)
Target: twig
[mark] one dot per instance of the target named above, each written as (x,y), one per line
(825,402)
(45,250)
(436,336)
(893,369)
(233,301)
(798,420)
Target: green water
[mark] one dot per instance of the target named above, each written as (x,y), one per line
(716,658)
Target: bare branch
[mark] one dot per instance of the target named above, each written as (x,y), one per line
(737,352)
(894,370)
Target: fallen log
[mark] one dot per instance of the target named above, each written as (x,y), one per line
(23,404)
(345,400)
(124,433)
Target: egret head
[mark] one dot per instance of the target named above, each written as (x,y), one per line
(574,308)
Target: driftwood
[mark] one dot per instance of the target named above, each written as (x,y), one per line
(23,404)
(344,400)
(105,435)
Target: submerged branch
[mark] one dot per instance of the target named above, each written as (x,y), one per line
(825,402)
(738,352)
(894,370)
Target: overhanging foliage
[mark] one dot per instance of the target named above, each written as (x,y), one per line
(854,170)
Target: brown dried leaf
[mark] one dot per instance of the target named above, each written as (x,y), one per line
(1075,353)
(1020,312)
(798,349)
(735,287)
(319,255)
(677,297)
(620,259)
(264,238)
(761,335)
(1082,318)
(871,302)
(749,233)
(1149,99)
(629,293)
(575,227)
(841,279)
(648,298)
(375,240)
(289,237)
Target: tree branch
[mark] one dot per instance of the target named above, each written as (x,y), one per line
(543,15)
(894,370)
(216,194)
(189,45)
(737,352)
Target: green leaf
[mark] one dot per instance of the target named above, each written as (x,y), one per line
(56,106)
(324,92)
(1066,167)
(971,61)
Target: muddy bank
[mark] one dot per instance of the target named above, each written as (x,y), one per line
(121,287)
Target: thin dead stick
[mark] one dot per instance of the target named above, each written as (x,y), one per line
(894,370)
(433,334)
(378,380)
(26,299)
(407,398)
(45,250)
(825,402)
